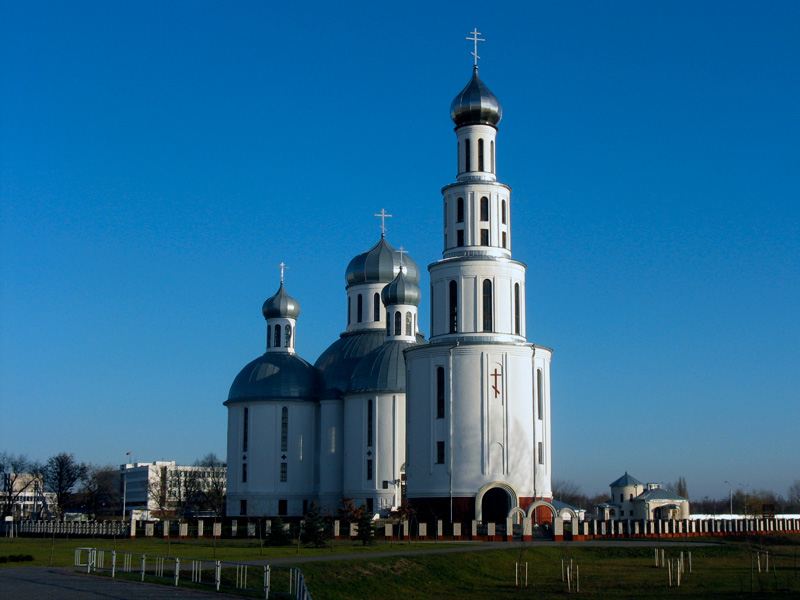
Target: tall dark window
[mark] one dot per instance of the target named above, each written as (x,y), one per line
(398,330)
(371,505)
(453,307)
(504,239)
(244,472)
(284,429)
(283,507)
(370,412)
(480,154)
(484,209)
(460,237)
(541,454)
(388,323)
(287,335)
(487,305)
(539,393)
(516,309)
(440,453)
(408,324)
(243,507)
(269,336)
(349,309)
(467,159)
(491,147)
(359,308)
(376,307)
(284,472)
(503,212)
(460,210)
(440,392)
(245,429)
(369,469)
(484,237)
(276,339)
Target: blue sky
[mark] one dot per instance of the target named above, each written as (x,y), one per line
(159,160)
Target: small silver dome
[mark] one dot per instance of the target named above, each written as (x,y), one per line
(281,305)
(379,264)
(276,375)
(476,105)
(401,291)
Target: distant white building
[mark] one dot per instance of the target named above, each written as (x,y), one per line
(164,486)
(632,499)
(25,492)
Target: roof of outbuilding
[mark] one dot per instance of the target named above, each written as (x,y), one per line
(276,375)
(626,480)
(659,494)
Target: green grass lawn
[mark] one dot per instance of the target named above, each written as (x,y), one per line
(719,571)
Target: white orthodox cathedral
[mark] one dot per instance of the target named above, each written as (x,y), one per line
(457,426)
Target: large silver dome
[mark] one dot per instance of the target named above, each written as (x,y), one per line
(380,264)
(340,359)
(281,305)
(382,370)
(276,375)
(401,291)
(476,105)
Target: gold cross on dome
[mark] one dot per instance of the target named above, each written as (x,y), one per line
(475,33)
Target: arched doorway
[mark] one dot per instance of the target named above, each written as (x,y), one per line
(495,505)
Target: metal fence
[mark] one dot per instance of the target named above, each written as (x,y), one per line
(271,580)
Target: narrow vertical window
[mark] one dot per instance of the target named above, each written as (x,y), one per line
(453,307)
(487,305)
(359,308)
(388,323)
(480,154)
(287,334)
(516,309)
(376,307)
(491,147)
(370,412)
(484,209)
(408,323)
(539,394)
(504,239)
(439,453)
(243,507)
(269,336)
(284,472)
(440,392)
(467,158)
(284,429)
(349,309)
(460,210)
(276,340)
(244,472)
(397,323)
(541,454)
(369,469)
(283,507)
(245,428)
(503,212)
(460,237)
(484,237)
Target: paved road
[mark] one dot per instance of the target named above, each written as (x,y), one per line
(48,583)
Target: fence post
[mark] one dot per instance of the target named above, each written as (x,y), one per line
(144,558)
(177,570)
(217,574)
(113,563)
(266,581)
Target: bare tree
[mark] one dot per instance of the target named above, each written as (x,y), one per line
(679,487)
(20,476)
(793,495)
(567,491)
(101,489)
(158,490)
(60,474)
(211,484)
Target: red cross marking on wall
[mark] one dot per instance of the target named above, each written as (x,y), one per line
(494,387)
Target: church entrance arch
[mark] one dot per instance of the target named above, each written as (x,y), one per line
(517,514)
(532,509)
(494,501)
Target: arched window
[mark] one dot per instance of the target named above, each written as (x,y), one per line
(287,336)
(284,429)
(388,323)
(539,393)
(480,154)
(460,210)
(491,147)
(467,159)
(245,428)
(503,212)
(487,305)
(453,306)
(359,308)
(398,330)
(440,392)
(516,309)
(276,340)
(376,307)
(369,423)
(269,337)
(484,209)
(408,323)
(349,309)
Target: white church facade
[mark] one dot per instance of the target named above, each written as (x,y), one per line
(459,426)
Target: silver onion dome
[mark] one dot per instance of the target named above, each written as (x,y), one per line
(476,105)
(281,305)
(379,264)
(401,291)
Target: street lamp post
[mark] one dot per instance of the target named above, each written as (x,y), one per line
(745,485)
(731,491)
